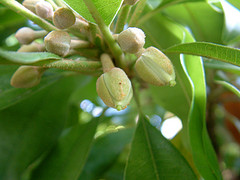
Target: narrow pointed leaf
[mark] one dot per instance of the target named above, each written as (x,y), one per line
(154,157)
(209,50)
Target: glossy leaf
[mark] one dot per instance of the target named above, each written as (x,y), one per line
(104,152)
(209,50)
(229,87)
(10,95)
(12,57)
(107,9)
(30,128)
(154,157)
(68,157)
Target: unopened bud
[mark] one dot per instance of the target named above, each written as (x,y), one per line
(27,76)
(155,68)
(131,40)
(33,47)
(130,2)
(44,10)
(58,42)
(26,35)
(63,18)
(115,89)
(31,4)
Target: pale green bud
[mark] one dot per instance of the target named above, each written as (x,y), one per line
(27,76)
(26,35)
(58,42)
(63,18)
(33,47)
(131,40)
(44,10)
(31,4)
(155,68)
(115,89)
(130,2)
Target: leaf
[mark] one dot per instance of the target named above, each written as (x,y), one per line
(209,50)
(10,95)
(68,157)
(154,157)
(107,9)
(180,100)
(229,86)
(12,57)
(30,128)
(104,153)
(205,22)
(203,154)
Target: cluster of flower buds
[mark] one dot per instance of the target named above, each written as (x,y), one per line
(113,86)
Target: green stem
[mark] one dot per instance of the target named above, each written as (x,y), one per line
(137,12)
(122,18)
(20,9)
(107,63)
(113,46)
(86,67)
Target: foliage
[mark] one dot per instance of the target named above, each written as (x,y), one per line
(60,129)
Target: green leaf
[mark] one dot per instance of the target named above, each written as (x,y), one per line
(104,153)
(209,50)
(205,22)
(68,157)
(203,153)
(30,128)
(107,9)
(229,86)
(12,57)
(10,95)
(180,98)
(154,157)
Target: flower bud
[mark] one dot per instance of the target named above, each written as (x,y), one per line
(58,42)
(33,47)
(130,2)
(155,68)
(115,89)
(27,76)
(63,18)
(44,10)
(26,35)
(131,40)
(31,4)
